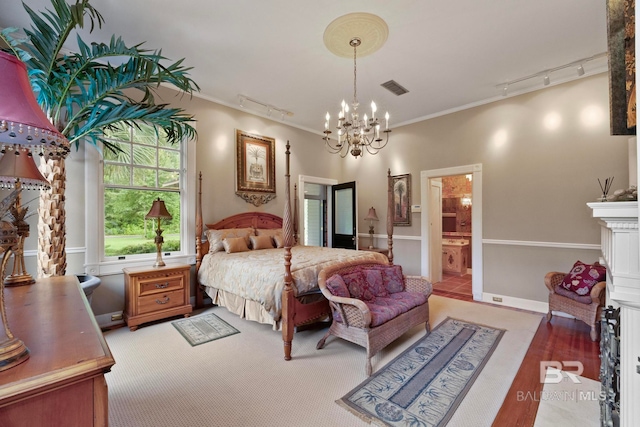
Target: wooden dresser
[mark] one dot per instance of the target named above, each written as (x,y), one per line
(62,383)
(156,293)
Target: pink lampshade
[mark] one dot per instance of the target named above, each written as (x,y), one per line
(22,121)
(19,165)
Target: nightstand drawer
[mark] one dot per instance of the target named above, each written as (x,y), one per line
(160,301)
(163,284)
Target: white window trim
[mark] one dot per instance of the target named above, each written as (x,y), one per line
(94,206)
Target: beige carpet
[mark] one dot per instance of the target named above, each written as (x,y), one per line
(242,380)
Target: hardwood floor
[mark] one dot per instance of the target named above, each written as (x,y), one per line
(561,339)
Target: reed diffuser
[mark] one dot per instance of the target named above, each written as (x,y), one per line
(605,188)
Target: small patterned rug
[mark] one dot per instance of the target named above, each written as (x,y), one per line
(204,328)
(424,385)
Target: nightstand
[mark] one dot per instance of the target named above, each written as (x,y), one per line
(384,252)
(156,293)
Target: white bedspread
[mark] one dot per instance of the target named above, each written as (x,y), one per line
(259,275)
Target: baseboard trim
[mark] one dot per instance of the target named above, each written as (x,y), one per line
(521,303)
(105,322)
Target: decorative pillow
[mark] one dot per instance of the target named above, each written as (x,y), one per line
(215,237)
(392,277)
(337,287)
(261,242)
(268,231)
(375,282)
(583,277)
(278,239)
(235,244)
(358,286)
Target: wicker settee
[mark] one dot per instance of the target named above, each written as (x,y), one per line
(372,315)
(586,308)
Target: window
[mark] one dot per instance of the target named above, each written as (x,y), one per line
(119,191)
(146,168)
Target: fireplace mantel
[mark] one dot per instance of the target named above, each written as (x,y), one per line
(620,250)
(621,254)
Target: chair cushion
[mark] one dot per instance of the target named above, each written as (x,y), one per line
(375,282)
(392,277)
(584,299)
(384,309)
(583,277)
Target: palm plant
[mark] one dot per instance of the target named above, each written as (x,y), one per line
(84,96)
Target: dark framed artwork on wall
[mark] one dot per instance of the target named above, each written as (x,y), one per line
(255,168)
(401,185)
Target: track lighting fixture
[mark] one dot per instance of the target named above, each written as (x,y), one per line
(546,74)
(270,108)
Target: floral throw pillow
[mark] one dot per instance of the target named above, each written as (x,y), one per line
(583,277)
(358,287)
(337,287)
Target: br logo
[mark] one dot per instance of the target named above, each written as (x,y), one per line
(551,371)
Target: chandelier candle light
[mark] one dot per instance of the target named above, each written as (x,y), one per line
(356,134)
(158,211)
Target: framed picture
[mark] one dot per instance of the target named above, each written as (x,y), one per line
(255,165)
(401,199)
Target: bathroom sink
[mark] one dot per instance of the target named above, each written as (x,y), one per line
(455,242)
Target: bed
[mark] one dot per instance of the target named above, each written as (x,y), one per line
(277,286)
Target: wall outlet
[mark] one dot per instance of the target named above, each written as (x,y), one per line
(497,299)
(115,317)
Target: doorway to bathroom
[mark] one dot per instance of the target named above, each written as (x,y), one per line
(457,208)
(451,224)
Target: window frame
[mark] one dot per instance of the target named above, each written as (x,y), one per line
(95,261)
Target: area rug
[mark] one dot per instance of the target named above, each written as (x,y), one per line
(201,329)
(424,385)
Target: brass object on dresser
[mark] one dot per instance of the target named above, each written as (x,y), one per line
(156,293)
(62,383)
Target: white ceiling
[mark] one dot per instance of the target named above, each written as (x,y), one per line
(448,54)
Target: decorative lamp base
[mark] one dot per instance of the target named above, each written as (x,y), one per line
(12,352)
(19,280)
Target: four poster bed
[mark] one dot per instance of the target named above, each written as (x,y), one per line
(277,285)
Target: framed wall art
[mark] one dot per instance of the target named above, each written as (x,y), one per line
(255,168)
(401,199)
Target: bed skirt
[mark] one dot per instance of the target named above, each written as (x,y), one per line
(249,309)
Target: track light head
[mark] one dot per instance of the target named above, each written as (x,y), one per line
(547,80)
(505,90)
(580,70)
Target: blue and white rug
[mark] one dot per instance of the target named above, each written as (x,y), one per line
(424,385)
(204,328)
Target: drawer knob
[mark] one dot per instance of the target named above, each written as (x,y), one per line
(162,285)
(166,300)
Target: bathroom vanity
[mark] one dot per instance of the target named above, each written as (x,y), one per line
(455,255)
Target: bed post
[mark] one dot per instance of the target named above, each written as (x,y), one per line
(390,216)
(199,291)
(288,298)
(295,213)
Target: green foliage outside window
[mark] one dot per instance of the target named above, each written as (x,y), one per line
(145,168)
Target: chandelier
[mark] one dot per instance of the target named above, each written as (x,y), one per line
(356,134)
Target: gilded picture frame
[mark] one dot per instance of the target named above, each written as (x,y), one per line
(255,167)
(401,185)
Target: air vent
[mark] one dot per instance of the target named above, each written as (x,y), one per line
(394,87)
